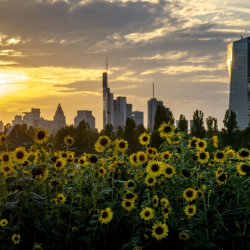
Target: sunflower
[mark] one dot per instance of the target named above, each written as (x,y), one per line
(199,194)
(243,154)
(243,168)
(190,210)
(160,231)
(164,202)
(74,229)
(61,198)
(7,169)
(39,175)
(183,236)
(201,144)
(168,170)
(189,194)
(20,155)
(186,173)
(147,213)
(3,139)
(150,180)
(155,201)
(129,184)
(54,183)
(154,168)
(144,139)
(222,178)
(133,159)
(219,156)
(128,205)
(122,145)
(41,135)
(69,140)
(150,151)
(6,158)
(101,171)
(141,157)
(192,142)
(63,154)
(82,161)
(203,156)
(93,159)
(166,130)
(60,164)
(230,154)
(3,222)
(194,157)
(54,202)
(16,238)
(214,141)
(106,215)
(101,143)
(166,156)
(166,211)
(130,196)
(53,158)
(71,157)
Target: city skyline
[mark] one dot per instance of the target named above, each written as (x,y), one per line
(60,57)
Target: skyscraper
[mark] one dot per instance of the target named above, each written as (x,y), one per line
(238,61)
(86,116)
(138,117)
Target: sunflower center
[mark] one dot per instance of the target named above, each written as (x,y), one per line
(127,204)
(155,201)
(53,159)
(150,180)
(20,155)
(190,210)
(201,144)
(245,168)
(135,158)
(93,159)
(37,172)
(122,145)
(81,161)
(41,135)
(244,153)
(169,171)
(150,151)
(186,173)
(142,158)
(6,169)
(129,196)
(64,155)
(103,141)
(203,156)
(220,155)
(166,210)
(189,193)
(5,158)
(222,177)
(69,141)
(199,194)
(144,138)
(101,171)
(147,214)
(25,164)
(195,157)
(167,129)
(131,184)
(104,215)
(58,164)
(166,156)
(54,183)
(2,139)
(159,230)
(155,168)
(193,143)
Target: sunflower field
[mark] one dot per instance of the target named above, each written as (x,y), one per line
(184,195)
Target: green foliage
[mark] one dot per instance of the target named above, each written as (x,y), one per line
(183,124)
(163,114)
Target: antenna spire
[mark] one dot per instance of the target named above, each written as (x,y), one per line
(153,90)
(107,64)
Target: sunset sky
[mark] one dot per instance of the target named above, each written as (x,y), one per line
(54,52)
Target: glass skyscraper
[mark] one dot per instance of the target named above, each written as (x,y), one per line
(238,61)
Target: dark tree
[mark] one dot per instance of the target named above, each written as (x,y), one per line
(130,134)
(230,130)
(162,114)
(183,124)
(198,129)
(212,127)
(108,130)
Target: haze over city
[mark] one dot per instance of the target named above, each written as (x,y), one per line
(55,52)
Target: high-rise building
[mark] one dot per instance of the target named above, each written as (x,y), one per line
(1,127)
(31,116)
(238,61)
(59,118)
(191,124)
(18,120)
(85,115)
(138,117)
(129,111)
(152,106)
(177,123)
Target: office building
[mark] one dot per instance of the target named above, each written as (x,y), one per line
(238,61)
(138,117)
(152,106)
(86,116)
(191,124)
